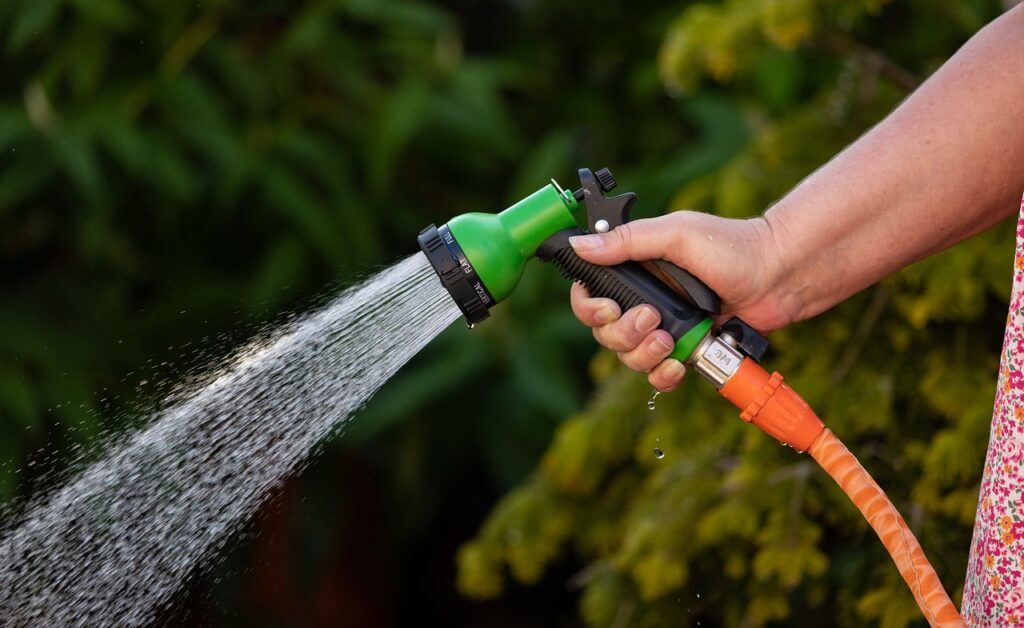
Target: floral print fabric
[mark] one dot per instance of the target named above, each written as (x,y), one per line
(994,591)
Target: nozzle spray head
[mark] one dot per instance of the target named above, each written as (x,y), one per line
(480,257)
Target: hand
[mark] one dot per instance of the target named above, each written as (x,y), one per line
(735,258)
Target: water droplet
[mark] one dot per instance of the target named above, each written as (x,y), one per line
(651,403)
(659,453)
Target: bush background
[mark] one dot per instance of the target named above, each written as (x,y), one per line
(174,176)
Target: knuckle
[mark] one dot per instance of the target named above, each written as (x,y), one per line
(611,336)
(633,361)
(646,357)
(668,375)
(625,235)
(661,382)
(583,314)
(626,335)
(657,344)
(605,336)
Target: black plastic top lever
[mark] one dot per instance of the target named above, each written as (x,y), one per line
(605,213)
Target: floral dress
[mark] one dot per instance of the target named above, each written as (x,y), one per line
(994,591)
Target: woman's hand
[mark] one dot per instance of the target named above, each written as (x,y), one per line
(736,258)
(944,166)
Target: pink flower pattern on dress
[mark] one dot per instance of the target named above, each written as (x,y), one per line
(994,590)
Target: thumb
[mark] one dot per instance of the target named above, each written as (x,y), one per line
(644,239)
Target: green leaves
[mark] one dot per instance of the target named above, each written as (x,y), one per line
(29,21)
(725,40)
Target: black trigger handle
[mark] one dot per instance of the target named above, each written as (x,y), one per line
(605,213)
(689,286)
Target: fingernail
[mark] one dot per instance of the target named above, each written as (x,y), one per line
(605,315)
(660,346)
(675,368)
(646,319)
(586,242)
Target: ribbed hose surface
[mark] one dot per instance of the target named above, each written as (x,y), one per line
(886,521)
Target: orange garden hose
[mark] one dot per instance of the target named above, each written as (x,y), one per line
(775,408)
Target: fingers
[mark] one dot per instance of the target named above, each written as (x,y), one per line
(667,375)
(592,311)
(652,350)
(648,238)
(630,330)
(635,336)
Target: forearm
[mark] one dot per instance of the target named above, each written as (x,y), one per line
(944,166)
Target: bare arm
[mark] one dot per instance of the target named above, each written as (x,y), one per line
(945,165)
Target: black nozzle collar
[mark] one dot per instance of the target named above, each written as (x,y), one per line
(456,273)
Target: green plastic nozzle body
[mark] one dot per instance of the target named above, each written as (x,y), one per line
(499,245)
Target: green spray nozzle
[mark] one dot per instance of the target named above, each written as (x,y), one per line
(480,257)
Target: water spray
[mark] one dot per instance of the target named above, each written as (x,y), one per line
(479,259)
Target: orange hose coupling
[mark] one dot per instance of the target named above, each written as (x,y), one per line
(772,406)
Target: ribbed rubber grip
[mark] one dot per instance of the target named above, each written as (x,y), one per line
(598,280)
(629,284)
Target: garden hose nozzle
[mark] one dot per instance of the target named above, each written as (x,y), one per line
(480,257)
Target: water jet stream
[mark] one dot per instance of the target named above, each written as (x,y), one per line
(114,544)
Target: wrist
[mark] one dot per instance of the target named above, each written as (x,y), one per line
(784,276)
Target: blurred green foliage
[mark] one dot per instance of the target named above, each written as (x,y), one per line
(174,176)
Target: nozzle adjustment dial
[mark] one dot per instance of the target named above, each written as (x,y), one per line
(605,178)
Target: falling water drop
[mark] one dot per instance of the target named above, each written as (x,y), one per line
(651,403)
(659,453)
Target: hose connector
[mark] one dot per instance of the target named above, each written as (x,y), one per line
(772,406)
(716,359)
